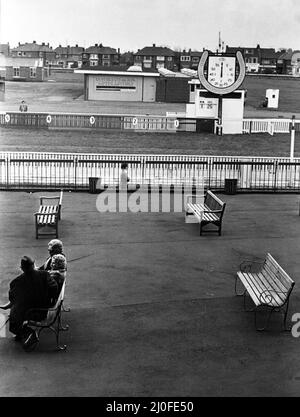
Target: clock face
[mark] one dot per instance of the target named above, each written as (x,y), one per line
(221,74)
(221,71)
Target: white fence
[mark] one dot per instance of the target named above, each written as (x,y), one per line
(270,126)
(24,170)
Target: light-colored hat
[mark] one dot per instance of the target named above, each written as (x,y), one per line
(58,263)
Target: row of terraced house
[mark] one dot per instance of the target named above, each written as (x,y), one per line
(30,61)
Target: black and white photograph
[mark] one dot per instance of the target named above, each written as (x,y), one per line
(149,201)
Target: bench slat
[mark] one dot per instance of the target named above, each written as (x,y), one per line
(259,292)
(271,285)
(280,272)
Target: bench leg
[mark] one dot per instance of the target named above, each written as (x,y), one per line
(236,290)
(285,328)
(261,329)
(247,310)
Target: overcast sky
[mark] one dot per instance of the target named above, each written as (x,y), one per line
(133,24)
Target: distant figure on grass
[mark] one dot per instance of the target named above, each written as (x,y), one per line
(55,247)
(33,289)
(124,179)
(23,106)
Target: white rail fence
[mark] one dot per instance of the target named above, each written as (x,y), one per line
(24,170)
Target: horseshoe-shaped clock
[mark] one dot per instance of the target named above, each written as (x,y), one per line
(221,74)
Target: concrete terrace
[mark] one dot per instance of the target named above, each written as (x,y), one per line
(153,311)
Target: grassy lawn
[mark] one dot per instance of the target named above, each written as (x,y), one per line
(31,140)
(68,97)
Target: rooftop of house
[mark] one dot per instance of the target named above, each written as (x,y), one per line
(70,50)
(117,68)
(33,47)
(101,50)
(20,61)
(287,55)
(4,49)
(191,53)
(155,51)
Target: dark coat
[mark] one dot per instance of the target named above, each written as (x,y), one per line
(35,289)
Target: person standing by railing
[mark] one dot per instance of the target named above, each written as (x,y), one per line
(124,179)
(23,107)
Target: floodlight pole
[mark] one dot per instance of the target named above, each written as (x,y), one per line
(292,139)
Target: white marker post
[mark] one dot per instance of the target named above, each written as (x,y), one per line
(292,138)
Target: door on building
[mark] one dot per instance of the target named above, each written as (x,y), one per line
(149,90)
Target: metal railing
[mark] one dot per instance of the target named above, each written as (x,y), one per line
(270,126)
(24,170)
(89,121)
(173,122)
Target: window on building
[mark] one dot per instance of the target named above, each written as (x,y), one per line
(160,58)
(16,71)
(147,64)
(185,58)
(106,64)
(106,57)
(170,58)
(192,88)
(19,53)
(32,72)
(195,59)
(94,56)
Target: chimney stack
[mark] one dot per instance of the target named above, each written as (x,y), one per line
(154,45)
(34,41)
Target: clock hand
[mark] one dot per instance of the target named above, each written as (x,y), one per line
(222,70)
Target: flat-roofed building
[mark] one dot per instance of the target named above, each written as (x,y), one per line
(115,84)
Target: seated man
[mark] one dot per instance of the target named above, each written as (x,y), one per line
(31,289)
(55,247)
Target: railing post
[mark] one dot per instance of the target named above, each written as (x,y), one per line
(275,169)
(292,139)
(7,170)
(75,171)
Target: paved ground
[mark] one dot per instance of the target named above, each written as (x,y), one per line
(152,305)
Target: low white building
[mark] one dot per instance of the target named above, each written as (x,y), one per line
(131,85)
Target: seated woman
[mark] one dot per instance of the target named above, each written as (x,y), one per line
(58,269)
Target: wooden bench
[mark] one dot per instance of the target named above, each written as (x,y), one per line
(52,319)
(209,211)
(48,215)
(268,285)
